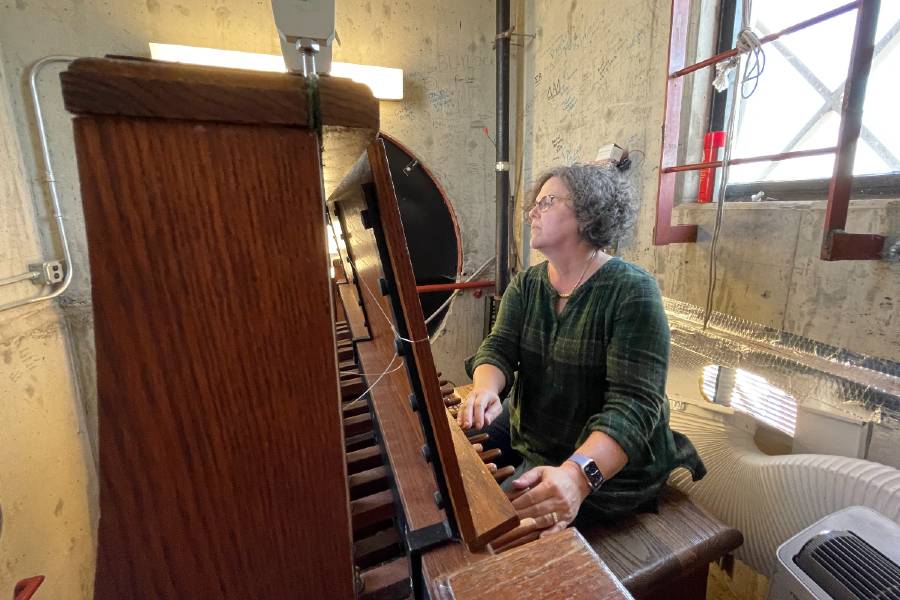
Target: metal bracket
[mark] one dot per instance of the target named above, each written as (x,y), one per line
(509,34)
(47,273)
(424,538)
(891,249)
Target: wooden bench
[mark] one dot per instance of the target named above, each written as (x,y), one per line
(665,554)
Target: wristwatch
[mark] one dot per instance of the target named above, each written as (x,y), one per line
(590,469)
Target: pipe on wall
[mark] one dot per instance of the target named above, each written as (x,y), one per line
(502,165)
(50,178)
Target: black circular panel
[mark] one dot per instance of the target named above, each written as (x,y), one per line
(429,226)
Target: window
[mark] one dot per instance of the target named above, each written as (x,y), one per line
(782,112)
(798,101)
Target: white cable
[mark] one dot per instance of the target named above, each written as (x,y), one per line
(748,43)
(720,210)
(386,318)
(440,330)
(477,272)
(386,371)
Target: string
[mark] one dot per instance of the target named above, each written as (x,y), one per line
(386,318)
(387,370)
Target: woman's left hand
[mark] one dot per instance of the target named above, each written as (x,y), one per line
(555,496)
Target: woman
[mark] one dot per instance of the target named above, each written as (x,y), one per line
(587,334)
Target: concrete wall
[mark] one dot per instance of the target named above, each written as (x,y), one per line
(47,484)
(46,473)
(598,72)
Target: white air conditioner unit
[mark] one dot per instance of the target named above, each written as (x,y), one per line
(853,554)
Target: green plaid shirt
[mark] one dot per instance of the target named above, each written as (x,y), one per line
(600,365)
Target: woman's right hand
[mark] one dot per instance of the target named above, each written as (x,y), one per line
(480,407)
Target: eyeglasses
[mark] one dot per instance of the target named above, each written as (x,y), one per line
(544,203)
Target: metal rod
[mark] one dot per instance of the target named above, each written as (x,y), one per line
(51,182)
(18,278)
(449,287)
(851,123)
(502,164)
(752,159)
(774,36)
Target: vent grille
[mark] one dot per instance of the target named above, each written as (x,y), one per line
(848,568)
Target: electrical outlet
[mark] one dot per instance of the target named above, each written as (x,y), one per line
(612,152)
(47,273)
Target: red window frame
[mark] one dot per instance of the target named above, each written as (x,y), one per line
(837,244)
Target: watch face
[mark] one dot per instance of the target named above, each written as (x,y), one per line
(593,474)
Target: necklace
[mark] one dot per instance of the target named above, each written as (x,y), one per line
(580,277)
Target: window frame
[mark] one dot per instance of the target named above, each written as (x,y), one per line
(837,244)
(874,186)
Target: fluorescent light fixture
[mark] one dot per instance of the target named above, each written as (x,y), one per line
(386,83)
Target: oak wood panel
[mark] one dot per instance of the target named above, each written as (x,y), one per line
(649,550)
(363,459)
(358,442)
(221,455)
(352,389)
(156,89)
(345,354)
(480,488)
(481,508)
(367,482)
(352,409)
(359,330)
(377,548)
(372,509)
(357,425)
(165,90)
(557,566)
(338,309)
(389,581)
(401,432)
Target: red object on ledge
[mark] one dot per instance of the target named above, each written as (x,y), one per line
(712,142)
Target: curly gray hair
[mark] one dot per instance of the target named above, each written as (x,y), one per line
(604,200)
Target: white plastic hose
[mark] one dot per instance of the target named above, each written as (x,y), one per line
(771,498)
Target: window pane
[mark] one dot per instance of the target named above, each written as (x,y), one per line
(797,103)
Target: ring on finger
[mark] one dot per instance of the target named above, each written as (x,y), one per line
(554,517)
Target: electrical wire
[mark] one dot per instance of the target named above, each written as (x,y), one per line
(390,323)
(386,371)
(748,43)
(455,292)
(720,211)
(386,317)
(446,303)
